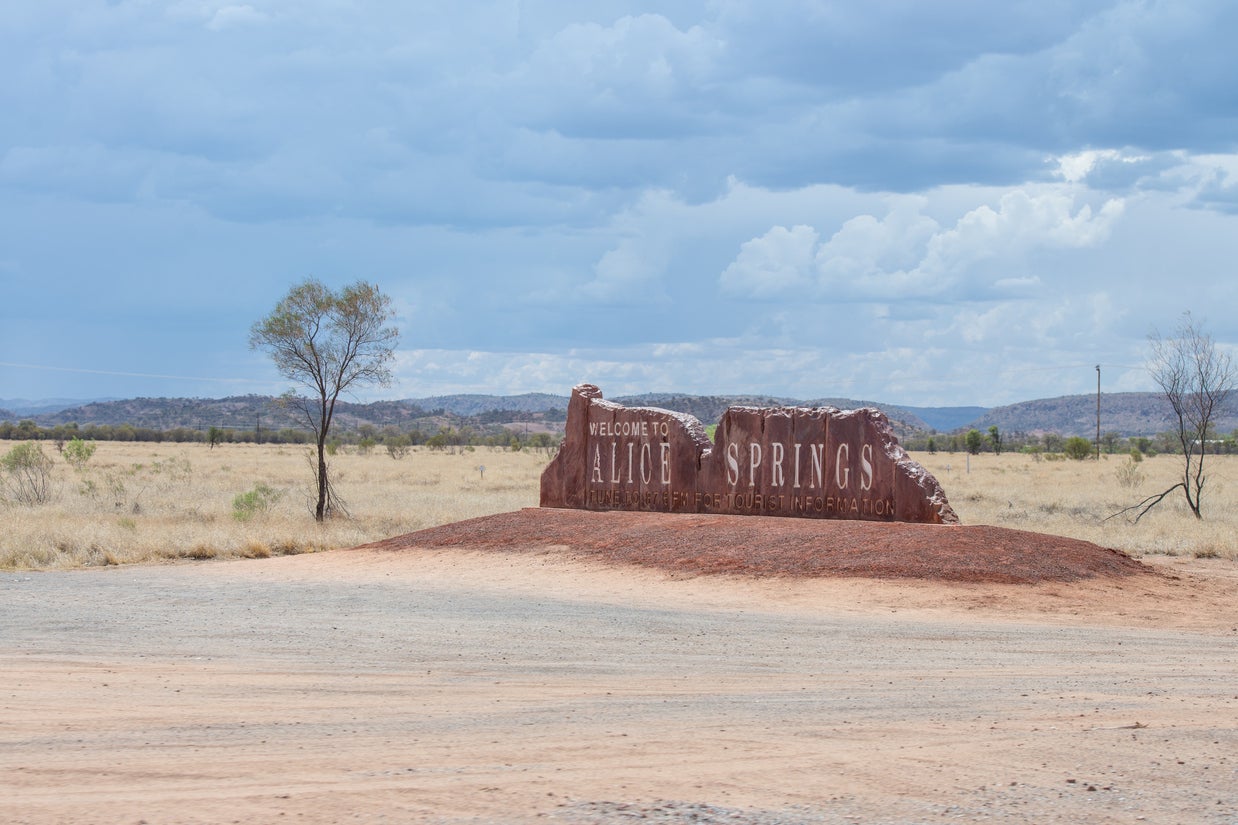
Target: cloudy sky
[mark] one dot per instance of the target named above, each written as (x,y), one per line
(931,203)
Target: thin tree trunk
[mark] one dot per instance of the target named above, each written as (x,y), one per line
(320,512)
(324,424)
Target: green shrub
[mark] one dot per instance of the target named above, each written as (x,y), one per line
(397,447)
(27,474)
(254,502)
(78,452)
(1077,447)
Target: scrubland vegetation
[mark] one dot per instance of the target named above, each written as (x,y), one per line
(1051,494)
(141,503)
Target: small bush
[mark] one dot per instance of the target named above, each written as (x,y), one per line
(1077,447)
(1129,474)
(258,500)
(78,452)
(200,552)
(256,550)
(27,474)
(397,448)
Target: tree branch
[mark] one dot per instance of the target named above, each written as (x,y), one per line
(1150,501)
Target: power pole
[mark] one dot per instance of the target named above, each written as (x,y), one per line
(1098,412)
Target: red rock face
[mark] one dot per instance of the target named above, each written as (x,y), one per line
(776,461)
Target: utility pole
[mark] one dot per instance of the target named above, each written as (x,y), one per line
(1098,412)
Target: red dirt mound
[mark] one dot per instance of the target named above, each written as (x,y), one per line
(767,546)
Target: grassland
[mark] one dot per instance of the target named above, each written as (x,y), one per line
(1076,499)
(142,503)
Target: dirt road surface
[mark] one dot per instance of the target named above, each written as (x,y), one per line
(458,686)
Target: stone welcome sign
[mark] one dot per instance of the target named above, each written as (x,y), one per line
(772,461)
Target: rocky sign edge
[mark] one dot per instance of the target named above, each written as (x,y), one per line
(802,462)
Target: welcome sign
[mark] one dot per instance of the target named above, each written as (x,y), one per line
(775,461)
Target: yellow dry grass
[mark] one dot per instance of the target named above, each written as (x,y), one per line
(1074,498)
(141,503)
(136,502)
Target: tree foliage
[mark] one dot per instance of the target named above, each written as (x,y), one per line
(974,441)
(77,452)
(330,342)
(1077,447)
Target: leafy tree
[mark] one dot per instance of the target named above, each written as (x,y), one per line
(1198,381)
(1077,447)
(397,446)
(974,441)
(1110,441)
(995,438)
(329,342)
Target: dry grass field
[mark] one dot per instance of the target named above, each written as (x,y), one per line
(142,503)
(1075,498)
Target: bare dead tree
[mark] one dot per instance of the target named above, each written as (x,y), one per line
(1198,380)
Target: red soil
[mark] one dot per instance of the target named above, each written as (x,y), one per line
(759,546)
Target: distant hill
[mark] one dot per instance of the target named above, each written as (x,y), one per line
(467,405)
(236,412)
(243,412)
(1126,413)
(28,408)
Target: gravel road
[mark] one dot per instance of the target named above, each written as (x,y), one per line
(452,688)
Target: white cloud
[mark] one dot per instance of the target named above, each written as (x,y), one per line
(233,16)
(1074,168)
(636,77)
(908,255)
(628,274)
(1021,223)
(777,263)
(796,197)
(868,250)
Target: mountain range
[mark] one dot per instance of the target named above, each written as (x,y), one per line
(1130,414)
